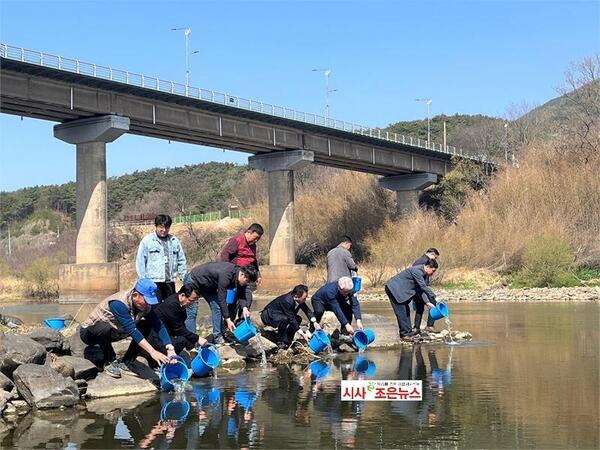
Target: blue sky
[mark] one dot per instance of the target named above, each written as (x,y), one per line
(470,57)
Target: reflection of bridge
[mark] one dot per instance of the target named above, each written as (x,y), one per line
(97,104)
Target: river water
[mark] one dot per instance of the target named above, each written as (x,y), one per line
(529,379)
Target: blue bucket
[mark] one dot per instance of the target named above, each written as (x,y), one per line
(246,399)
(319,341)
(170,372)
(365,366)
(55,323)
(357,284)
(363,338)
(231,427)
(320,369)
(443,377)
(206,360)
(206,394)
(175,410)
(244,331)
(440,311)
(230,296)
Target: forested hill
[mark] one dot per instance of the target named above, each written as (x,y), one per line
(193,188)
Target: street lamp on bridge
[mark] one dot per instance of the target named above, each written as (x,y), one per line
(428,101)
(327,73)
(187,33)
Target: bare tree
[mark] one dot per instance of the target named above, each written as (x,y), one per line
(581,89)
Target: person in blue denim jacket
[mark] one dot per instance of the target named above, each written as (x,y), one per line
(160,257)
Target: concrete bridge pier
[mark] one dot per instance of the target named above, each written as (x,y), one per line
(91,277)
(282,273)
(408,188)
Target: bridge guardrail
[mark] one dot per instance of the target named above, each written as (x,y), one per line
(155,83)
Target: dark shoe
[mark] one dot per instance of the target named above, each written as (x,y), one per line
(282,345)
(125,367)
(113,370)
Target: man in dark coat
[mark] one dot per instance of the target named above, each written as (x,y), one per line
(431,253)
(212,281)
(403,288)
(338,297)
(282,313)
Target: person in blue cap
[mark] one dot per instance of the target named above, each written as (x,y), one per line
(115,318)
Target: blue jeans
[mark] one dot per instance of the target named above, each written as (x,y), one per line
(215,308)
(191,314)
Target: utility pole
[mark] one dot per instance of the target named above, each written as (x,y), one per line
(327,73)
(428,101)
(445,147)
(9,245)
(506,142)
(187,32)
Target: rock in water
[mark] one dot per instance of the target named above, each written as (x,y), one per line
(83,369)
(43,387)
(51,339)
(106,386)
(16,350)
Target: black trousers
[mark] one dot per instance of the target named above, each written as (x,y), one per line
(286,328)
(102,335)
(165,288)
(144,326)
(420,308)
(402,312)
(320,308)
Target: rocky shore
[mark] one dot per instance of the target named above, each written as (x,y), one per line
(42,368)
(574,294)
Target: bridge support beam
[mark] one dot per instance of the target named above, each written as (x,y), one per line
(408,187)
(91,277)
(282,273)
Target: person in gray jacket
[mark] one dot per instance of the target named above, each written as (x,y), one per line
(339,261)
(404,287)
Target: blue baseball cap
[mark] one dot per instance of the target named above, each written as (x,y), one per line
(147,288)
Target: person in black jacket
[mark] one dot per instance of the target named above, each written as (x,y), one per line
(172,314)
(211,281)
(431,253)
(403,288)
(282,313)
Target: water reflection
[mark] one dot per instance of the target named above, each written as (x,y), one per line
(492,396)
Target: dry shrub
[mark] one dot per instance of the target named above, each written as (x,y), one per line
(338,203)
(548,194)
(41,278)
(548,262)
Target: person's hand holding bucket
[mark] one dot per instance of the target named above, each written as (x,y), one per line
(230,324)
(359,324)
(171,353)
(246,313)
(349,328)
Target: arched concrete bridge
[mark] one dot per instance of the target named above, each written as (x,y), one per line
(96,104)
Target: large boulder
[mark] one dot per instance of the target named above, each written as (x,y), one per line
(5,383)
(83,369)
(43,387)
(329,322)
(16,350)
(106,386)
(51,339)
(254,346)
